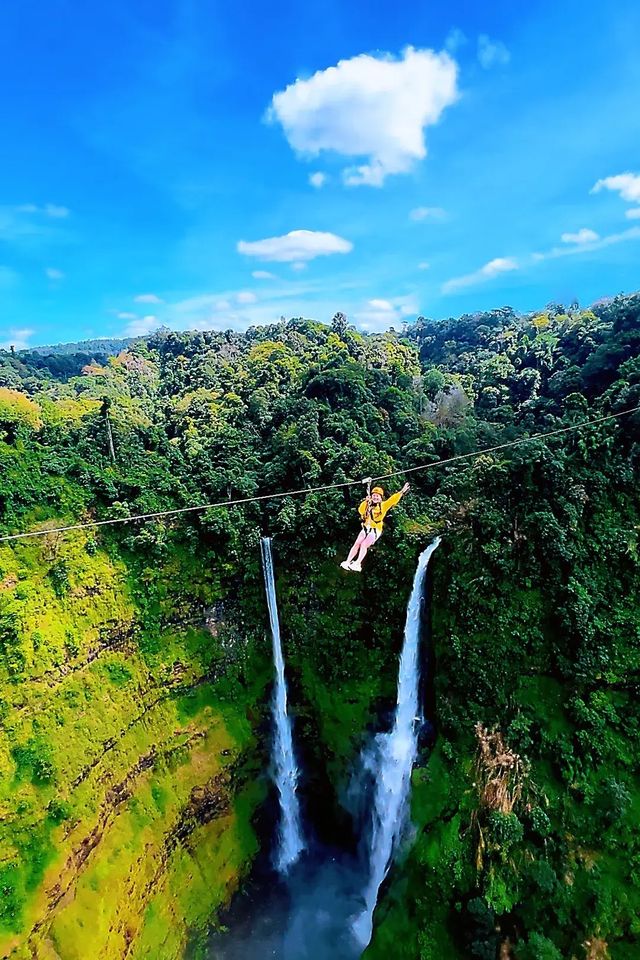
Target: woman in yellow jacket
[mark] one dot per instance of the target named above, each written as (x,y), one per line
(372,510)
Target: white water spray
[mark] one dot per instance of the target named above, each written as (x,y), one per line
(396,753)
(290,842)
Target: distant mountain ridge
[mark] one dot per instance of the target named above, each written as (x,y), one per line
(102,346)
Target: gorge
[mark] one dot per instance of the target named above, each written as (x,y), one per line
(137,811)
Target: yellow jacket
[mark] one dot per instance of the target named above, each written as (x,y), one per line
(378,511)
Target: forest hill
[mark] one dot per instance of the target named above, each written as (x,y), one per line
(535,623)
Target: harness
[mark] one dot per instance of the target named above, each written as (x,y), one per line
(373,512)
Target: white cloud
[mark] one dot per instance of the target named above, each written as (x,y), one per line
(633,233)
(148,298)
(18,339)
(295,246)
(299,266)
(424,265)
(582,236)
(489,270)
(141,326)
(222,311)
(318,179)
(124,315)
(633,213)
(53,274)
(381,314)
(237,309)
(427,213)
(29,225)
(625,184)
(245,296)
(263,275)
(499,265)
(58,213)
(372,319)
(292,297)
(456,38)
(371,107)
(492,52)
(48,210)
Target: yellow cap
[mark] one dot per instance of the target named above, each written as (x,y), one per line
(378,490)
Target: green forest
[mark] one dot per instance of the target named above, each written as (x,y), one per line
(135,670)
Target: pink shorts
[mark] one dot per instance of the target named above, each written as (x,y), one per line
(372,530)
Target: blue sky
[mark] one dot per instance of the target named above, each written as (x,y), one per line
(211,165)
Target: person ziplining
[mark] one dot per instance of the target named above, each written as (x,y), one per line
(372,510)
(48,531)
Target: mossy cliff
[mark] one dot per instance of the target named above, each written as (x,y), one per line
(135,750)
(129,769)
(529,800)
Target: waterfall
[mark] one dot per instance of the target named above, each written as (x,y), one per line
(395,754)
(285,771)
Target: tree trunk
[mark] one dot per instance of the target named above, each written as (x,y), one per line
(112,452)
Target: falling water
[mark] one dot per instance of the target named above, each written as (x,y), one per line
(290,843)
(396,752)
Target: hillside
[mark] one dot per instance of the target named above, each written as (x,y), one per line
(134,673)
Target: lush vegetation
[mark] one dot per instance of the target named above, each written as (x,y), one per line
(525,809)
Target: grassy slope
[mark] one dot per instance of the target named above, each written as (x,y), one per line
(125,796)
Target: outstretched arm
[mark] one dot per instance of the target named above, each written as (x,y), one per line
(394,499)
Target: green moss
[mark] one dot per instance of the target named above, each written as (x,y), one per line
(33,851)
(343,711)
(160,797)
(12,898)
(436,787)
(107,742)
(58,811)
(34,762)
(192,703)
(118,673)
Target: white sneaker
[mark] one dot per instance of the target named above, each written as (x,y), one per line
(355,566)
(345,565)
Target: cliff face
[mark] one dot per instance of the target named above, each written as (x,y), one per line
(136,740)
(130,769)
(134,752)
(525,812)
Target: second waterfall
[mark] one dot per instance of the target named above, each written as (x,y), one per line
(285,771)
(394,755)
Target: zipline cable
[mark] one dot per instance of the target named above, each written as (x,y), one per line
(330,486)
(511,443)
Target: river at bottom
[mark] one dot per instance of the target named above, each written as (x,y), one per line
(307,916)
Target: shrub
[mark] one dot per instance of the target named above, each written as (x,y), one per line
(11,898)
(33,761)
(59,576)
(506,829)
(59,811)
(539,947)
